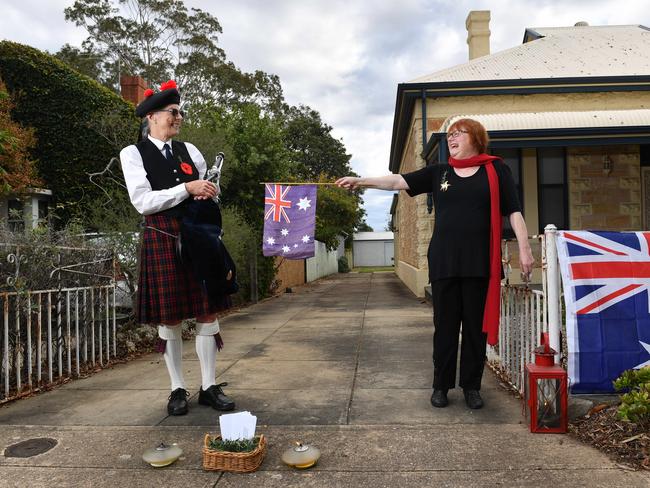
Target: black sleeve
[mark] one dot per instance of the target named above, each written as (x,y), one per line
(421,181)
(507,190)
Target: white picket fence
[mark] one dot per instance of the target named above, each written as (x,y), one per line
(58,333)
(526,312)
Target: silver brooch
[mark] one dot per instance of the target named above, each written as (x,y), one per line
(444,185)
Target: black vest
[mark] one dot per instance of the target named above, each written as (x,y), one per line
(163,173)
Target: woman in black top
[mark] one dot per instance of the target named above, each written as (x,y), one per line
(470,195)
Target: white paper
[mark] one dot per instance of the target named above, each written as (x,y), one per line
(237,426)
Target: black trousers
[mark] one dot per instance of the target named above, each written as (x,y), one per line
(458,301)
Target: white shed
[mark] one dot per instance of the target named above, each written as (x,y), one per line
(373,249)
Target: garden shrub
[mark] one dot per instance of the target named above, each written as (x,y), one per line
(635,404)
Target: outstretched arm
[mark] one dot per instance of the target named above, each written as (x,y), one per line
(388,182)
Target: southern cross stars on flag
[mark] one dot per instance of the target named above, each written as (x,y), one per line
(289,221)
(606,278)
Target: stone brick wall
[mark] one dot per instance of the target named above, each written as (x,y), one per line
(601,200)
(407,223)
(415,223)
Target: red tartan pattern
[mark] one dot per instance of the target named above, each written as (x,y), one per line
(167,290)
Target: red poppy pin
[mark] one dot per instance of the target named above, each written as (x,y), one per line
(148,92)
(186,168)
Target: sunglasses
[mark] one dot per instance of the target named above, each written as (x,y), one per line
(174,111)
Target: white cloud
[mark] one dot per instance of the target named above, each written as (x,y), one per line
(39,24)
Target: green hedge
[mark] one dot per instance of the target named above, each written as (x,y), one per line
(79,124)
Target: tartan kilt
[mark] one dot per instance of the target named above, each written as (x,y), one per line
(167,288)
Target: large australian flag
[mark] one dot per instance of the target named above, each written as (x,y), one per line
(606,278)
(289,221)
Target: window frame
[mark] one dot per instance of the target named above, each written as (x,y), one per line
(563,186)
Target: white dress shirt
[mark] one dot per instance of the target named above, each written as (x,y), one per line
(144,199)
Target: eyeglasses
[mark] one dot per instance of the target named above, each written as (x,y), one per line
(456,133)
(174,111)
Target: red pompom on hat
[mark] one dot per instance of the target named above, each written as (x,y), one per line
(167,85)
(153,101)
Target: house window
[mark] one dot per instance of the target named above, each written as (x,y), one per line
(551,181)
(512,158)
(15,218)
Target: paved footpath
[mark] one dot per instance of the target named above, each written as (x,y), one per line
(345,364)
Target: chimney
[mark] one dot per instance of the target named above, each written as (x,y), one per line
(133,88)
(478,33)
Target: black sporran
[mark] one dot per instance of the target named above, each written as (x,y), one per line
(201,246)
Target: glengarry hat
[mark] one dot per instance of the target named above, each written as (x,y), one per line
(153,101)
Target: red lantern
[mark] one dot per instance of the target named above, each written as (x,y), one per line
(546,392)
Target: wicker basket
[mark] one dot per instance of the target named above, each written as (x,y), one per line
(236,462)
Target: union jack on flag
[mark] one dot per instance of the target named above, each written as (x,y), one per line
(606,277)
(277,202)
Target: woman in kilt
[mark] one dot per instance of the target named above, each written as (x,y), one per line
(161,176)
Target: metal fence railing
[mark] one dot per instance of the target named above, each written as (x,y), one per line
(57,315)
(527,310)
(48,335)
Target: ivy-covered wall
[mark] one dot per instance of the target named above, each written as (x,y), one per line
(79,124)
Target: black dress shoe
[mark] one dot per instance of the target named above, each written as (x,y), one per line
(177,404)
(215,398)
(473,399)
(439,398)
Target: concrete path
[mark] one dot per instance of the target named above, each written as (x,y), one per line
(344,364)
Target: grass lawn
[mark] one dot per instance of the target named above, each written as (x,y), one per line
(373,269)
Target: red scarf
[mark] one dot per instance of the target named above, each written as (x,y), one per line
(493,300)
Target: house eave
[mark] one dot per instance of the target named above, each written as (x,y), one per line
(408,93)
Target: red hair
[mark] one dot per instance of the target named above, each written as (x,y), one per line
(478,136)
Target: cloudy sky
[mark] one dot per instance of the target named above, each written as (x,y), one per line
(345,58)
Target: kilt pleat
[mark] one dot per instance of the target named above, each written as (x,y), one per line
(167,288)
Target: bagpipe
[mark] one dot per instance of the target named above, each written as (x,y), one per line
(200,242)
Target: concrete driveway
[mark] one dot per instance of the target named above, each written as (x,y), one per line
(344,364)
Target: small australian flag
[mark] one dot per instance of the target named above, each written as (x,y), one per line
(289,221)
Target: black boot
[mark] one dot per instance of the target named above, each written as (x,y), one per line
(473,399)
(177,404)
(439,398)
(216,398)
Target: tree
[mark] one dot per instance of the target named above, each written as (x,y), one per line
(161,39)
(17,169)
(85,62)
(338,214)
(314,149)
(317,155)
(364,227)
(255,153)
(152,33)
